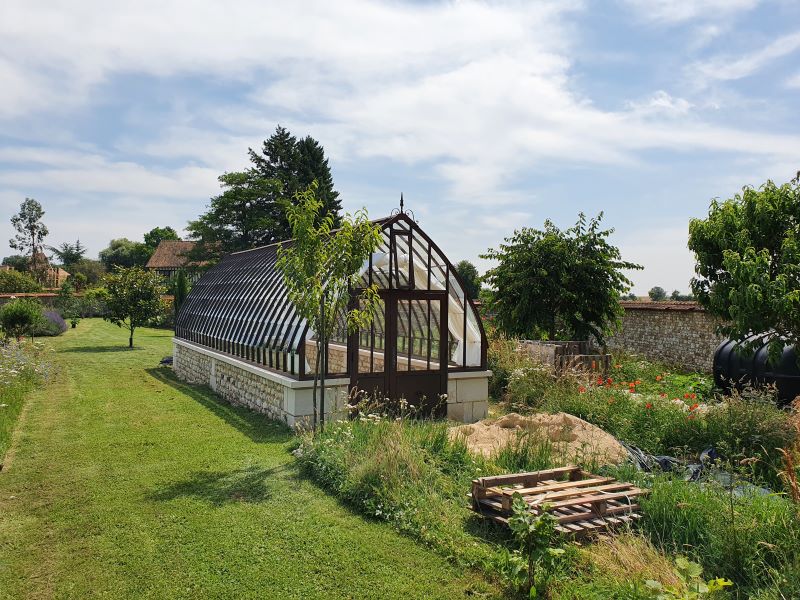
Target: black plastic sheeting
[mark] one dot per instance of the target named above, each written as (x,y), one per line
(705,470)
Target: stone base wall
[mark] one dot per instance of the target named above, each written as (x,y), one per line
(242,384)
(291,401)
(680,334)
(468,396)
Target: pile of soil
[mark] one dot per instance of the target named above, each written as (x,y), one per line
(571,437)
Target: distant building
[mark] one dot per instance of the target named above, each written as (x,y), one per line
(48,275)
(171,256)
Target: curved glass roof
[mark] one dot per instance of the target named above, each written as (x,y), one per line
(240,306)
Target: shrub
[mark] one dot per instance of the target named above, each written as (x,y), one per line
(51,325)
(16,282)
(20,317)
(743,535)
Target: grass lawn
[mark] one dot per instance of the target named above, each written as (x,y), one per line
(124,483)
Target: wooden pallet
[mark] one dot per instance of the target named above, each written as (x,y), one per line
(583,503)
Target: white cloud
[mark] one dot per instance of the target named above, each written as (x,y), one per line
(679,11)
(660,104)
(726,68)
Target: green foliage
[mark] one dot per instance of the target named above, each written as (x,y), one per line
(16,262)
(472,280)
(657,294)
(124,253)
(693,587)
(68,306)
(535,533)
(68,254)
(747,255)
(17,282)
(296,164)
(245,215)
(132,297)
(158,234)
(31,232)
(677,296)
(86,273)
(20,317)
(750,545)
(561,284)
(645,404)
(321,266)
(181,290)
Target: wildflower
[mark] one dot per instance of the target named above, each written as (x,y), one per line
(659,378)
(599,381)
(638,382)
(694,396)
(617,366)
(582,390)
(687,395)
(663,394)
(694,406)
(649,405)
(609,381)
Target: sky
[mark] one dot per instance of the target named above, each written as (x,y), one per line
(487,116)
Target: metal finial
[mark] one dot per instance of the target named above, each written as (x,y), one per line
(401,202)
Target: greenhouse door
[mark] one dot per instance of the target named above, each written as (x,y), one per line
(409,360)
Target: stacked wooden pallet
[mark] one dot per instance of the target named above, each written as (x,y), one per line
(581,502)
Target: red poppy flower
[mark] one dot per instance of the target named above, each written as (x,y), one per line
(582,389)
(687,395)
(649,405)
(658,377)
(694,406)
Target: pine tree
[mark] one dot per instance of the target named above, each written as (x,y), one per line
(296,164)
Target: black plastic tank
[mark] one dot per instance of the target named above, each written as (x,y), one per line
(733,366)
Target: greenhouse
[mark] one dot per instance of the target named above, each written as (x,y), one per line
(239,333)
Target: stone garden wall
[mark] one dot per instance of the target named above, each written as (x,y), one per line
(677,333)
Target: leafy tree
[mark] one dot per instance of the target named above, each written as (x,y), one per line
(16,261)
(296,164)
(123,252)
(156,235)
(558,283)
(86,273)
(181,291)
(68,254)
(677,296)
(657,294)
(20,317)
(67,304)
(321,266)
(30,233)
(630,296)
(747,254)
(243,216)
(469,275)
(132,297)
(20,283)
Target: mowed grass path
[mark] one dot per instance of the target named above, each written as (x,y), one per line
(125,483)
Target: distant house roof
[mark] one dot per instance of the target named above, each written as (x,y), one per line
(170,254)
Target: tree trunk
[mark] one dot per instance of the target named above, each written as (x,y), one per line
(316,377)
(130,339)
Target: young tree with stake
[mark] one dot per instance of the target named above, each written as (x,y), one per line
(320,267)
